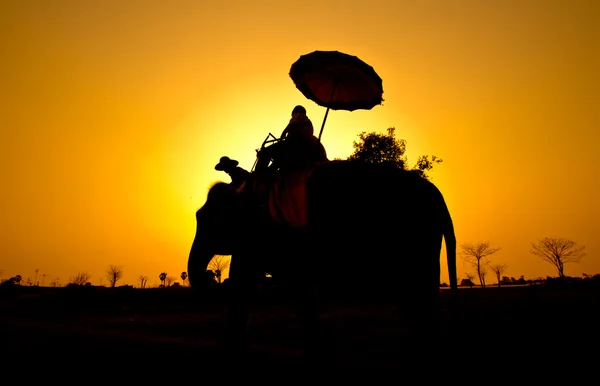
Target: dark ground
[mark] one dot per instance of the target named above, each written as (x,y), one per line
(496,328)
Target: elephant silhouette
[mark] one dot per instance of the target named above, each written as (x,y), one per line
(373,231)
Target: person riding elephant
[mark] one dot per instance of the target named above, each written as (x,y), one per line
(238,175)
(297,149)
(283,168)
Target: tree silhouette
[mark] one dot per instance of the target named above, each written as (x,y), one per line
(558,252)
(380,148)
(218,264)
(498,270)
(15,280)
(470,278)
(169,280)
(82,278)
(482,272)
(114,273)
(163,277)
(143,280)
(183,277)
(424,164)
(210,275)
(385,148)
(475,255)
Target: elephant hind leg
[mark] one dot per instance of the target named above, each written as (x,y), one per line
(421,318)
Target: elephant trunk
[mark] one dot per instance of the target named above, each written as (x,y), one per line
(208,242)
(200,256)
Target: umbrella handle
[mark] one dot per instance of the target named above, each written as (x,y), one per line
(323,125)
(327,111)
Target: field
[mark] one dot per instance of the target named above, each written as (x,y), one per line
(493,327)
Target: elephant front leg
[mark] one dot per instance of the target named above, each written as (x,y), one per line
(316,342)
(233,334)
(242,286)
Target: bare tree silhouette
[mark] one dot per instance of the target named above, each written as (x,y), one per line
(169,280)
(470,278)
(498,270)
(82,278)
(558,252)
(143,281)
(475,254)
(218,264)
(114,273)
(482,271)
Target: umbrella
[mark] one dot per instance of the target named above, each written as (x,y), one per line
(337,81)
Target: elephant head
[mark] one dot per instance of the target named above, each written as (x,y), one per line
(219,223)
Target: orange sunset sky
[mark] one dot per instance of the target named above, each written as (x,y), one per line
(114,114)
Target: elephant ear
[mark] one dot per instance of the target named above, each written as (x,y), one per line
(217,188)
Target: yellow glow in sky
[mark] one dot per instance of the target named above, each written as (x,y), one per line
(115,113)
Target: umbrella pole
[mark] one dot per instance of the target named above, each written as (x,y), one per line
(323,125)
(327,111)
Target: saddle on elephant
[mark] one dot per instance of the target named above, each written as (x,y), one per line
(279,192)
(283,183)
(282,169)
(287,201)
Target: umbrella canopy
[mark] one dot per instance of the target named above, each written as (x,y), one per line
(337,81)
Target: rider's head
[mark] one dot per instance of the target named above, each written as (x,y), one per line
(225,164)
(299,110)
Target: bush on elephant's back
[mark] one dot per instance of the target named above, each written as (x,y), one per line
(377,148)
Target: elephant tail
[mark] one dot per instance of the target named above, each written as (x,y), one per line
(450,240)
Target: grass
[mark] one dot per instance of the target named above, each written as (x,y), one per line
(78,326)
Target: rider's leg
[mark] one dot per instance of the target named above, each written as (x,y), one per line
(272,153)
(264,157)
(263,160)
